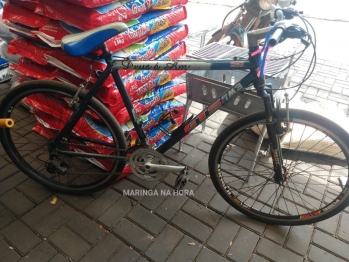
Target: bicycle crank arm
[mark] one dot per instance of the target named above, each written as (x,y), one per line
(163,168)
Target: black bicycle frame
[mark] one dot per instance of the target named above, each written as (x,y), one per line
(187,126)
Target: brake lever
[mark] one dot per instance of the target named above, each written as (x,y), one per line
(295,31)
(290,13)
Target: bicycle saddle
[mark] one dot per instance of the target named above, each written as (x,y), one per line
(82,43)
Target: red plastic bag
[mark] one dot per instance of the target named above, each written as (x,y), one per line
(46,131)
(156,133)
(29,49)
(88,18)
(29,68)
(65,77)
(77,66)
(17,14)
(156,115)
(143,81)
(29,4)
(159,95)
(53,32)
(139,31)
(96,3)
(90,3)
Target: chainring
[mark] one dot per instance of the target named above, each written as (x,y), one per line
(137,162)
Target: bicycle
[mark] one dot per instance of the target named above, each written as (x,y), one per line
(252,15)
(251,165)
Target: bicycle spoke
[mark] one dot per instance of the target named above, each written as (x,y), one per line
(310,173)
(39,118)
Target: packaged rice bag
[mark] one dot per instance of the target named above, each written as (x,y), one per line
(167,91)
(143,81)
(55,106)
(103,164)
(34,70)
(77,66)
(95,3)
(44,131)
(154,45)
(23,16)
(81,69)
(66,77)
(81,66)
(89,3)
(163,77)
(20,78)
(30,49)
(160,142)
(163,111)
(53,32)
(157,44)
(175,52)
(157,132)
(148,24)
(88,18)
(20,30)
(29,4)
(151,85)
(47,127)
(153,98)
(50,105)
(86,127)
(5,34)
(53,113)
(138,30)
(157,136)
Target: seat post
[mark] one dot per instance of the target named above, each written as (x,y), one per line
(106,54)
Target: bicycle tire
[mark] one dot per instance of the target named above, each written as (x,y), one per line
(47,101)
(304,197)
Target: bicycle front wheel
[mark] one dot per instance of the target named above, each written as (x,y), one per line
(40,109)
(315,169)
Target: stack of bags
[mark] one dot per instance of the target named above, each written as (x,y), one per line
(5,36)
(154,32)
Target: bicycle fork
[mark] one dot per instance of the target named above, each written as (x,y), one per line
(274,142)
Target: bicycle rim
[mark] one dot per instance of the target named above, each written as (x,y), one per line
(40,110)
(315,162)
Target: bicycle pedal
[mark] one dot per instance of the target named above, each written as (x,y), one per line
(182,179)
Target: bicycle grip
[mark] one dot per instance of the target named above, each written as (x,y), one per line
(6,123)
(276,37)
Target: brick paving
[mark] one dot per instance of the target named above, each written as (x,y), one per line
(107,226)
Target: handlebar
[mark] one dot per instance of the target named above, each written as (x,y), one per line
(277,35)
(280,31)
(278,13)
(274,35)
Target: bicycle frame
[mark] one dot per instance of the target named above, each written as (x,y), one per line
(114,65)
(187,126)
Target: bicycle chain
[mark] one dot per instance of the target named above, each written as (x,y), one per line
(74,144)
(119,150)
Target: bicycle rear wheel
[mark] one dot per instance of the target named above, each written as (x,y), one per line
(315,163)
(40,110)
